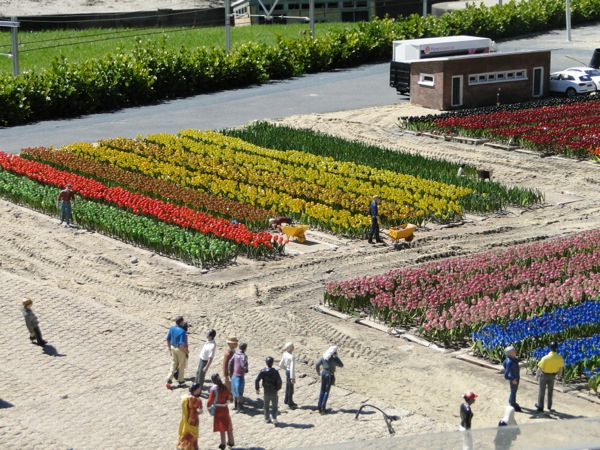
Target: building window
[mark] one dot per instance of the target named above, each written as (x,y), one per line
(348,5)
(497,77)
(426,79)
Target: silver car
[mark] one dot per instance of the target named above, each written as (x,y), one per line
(594,74)
(571,83)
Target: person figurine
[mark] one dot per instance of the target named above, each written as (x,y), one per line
(238,368)
(276,222)
(329,361)
(219,395)
(507,430)
(374,212)
(232,343)
(185,326)
(177,345)
(466,414)
(191,406)
(271,381)
(548,367)
(288,363)
(512,374)
(32,323)
(466,418)
(206,357)
(63,202)
(461,170)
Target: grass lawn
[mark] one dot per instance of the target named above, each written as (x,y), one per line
(38,49)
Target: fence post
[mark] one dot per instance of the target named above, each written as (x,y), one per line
(15,46)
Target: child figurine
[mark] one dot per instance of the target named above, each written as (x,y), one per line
(32,323)
(466,416)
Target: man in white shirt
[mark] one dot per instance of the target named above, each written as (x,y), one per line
(288,363)
(206,357)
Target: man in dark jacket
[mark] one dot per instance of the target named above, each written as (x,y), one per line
(512,374)
(271,381)
(374,213)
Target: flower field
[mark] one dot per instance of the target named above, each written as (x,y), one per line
(220,239)
(527,296)
(225,188)
(567,127)
(320,191)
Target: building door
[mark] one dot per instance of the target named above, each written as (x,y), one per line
(538,81)
(457,91)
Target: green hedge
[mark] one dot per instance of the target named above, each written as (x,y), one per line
(152,73)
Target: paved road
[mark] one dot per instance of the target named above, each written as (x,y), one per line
(326,92)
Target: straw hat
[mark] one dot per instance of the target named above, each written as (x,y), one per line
(232,340)
(27,301)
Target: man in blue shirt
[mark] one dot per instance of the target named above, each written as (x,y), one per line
(178,347)
(512,374)
(374,212)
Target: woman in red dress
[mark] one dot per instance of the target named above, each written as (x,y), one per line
(219,395)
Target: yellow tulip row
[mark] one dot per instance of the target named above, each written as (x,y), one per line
(333,193)
(306,172)
(338,220)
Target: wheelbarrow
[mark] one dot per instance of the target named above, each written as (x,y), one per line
(295,231)
(402,232)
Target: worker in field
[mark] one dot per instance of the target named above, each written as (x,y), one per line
(276,222)
(374,212)
(63,202)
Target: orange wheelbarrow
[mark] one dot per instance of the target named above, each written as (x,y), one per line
(295,231)
(402,232)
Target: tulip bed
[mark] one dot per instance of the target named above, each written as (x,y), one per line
(567,127)
(194,236)
(316,190)
(451,299)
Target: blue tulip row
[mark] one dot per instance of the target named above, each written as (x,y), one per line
(554,322)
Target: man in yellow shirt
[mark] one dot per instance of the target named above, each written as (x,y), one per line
(548,367)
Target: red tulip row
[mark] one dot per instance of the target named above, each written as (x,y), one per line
(572,129)
(450,299)
(251,216)
(139,204)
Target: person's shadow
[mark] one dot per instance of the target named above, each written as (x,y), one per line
(4,404)
(50,350)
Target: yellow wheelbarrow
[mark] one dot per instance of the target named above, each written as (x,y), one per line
(295,231)
(402,232)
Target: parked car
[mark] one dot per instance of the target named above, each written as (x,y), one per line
(594,74)
(571,83)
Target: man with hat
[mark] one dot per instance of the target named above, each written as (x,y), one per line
(232,343)
(177,344)
(32,323)
(512,373)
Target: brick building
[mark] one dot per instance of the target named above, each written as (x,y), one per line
(479,80)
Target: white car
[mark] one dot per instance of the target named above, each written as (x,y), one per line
(571,83)
(594,74)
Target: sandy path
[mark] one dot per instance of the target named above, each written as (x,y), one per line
(109,316)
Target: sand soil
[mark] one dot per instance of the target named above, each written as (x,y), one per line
(101,384)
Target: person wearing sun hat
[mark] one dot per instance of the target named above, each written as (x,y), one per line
(32,323)
(232,343)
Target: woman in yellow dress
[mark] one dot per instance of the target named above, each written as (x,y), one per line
(191,406)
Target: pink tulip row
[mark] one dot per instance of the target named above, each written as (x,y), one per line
(463,293)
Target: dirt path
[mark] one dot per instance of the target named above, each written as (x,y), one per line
(109,316)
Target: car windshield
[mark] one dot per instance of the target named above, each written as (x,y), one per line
(593,72)
(585,78)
